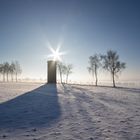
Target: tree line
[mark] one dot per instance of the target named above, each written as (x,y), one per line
(10,71)
(110,62)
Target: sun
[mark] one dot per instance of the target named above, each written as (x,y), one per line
(56,54)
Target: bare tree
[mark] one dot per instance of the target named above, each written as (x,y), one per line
(17,69)
(6,70)
(61,69)
(68,71)
(1,67)
(94,62)
(12,70)
(112,64)
(64,70)
(3,71)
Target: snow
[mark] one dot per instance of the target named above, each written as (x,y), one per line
(33,111)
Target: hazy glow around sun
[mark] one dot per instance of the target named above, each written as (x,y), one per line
(56,54)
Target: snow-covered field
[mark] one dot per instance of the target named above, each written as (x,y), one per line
(31,111)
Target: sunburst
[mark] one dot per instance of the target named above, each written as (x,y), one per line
(56,54)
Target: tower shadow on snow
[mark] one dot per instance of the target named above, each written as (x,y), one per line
(37,108)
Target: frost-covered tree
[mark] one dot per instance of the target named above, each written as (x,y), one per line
(6,70)
(112,64)
(12,70)
(62,70)
(68,71)
(3,71)
(17,69)
(1,68)
(94,64)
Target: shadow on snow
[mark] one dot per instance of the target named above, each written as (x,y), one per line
(37,108)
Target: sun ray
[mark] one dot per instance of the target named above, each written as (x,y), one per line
(56,54)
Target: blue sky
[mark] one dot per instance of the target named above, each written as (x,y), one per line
(84,27)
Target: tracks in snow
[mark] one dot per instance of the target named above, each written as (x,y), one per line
(87,113)
(97,115)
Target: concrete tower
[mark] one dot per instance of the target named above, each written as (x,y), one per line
(52,71)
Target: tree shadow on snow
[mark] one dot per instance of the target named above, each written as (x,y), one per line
(135,90)
(37,108)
